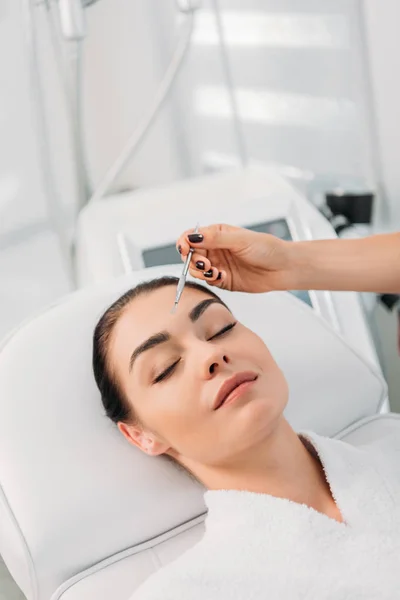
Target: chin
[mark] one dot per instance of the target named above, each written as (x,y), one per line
(262,413)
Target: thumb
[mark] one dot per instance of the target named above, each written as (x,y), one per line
(218,237)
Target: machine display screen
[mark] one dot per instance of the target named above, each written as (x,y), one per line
(167,255)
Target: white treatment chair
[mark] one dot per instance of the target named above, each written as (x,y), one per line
(86,516)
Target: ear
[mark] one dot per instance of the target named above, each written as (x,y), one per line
(144,440)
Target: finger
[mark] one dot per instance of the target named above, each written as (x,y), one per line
(200,261)
(197,274)
(209,276)
(217,280)
(200,255)
(216,236)
(182,244)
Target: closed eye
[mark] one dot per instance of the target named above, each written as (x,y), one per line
(167,372)
(171,368)
(224,330)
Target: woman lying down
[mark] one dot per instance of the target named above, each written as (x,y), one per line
(290,515)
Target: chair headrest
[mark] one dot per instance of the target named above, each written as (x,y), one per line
(72,490)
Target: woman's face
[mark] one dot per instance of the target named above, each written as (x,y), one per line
(171,368)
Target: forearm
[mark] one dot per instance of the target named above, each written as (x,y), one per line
(367,265)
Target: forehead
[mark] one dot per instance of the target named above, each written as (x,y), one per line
(150,313)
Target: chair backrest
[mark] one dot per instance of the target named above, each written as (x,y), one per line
(73,492)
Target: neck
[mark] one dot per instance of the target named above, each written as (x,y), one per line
(280,465)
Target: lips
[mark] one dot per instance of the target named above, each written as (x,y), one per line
(230,384)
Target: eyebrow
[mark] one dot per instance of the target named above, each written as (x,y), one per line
(164,336)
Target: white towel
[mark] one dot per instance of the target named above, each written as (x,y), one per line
(257,546)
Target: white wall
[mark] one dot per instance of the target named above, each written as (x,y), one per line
(31,268)
(301,74)
(382,26)
(299,80)
(128,48)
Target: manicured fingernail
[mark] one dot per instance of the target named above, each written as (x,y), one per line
(195,238)
(208,273)
(200,265)
(179,248)
(219,276)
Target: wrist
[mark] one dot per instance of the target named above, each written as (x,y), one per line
(327,265)
(300,267)
(284,264)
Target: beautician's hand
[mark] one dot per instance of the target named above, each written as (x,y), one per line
(259,262)
(236,259)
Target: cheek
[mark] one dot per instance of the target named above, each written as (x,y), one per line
(256,349)
(258,353)
(167,409)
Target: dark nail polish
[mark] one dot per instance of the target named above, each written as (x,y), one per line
(219,276)
(208,273)
(195,238)
(179,248)
(200,265)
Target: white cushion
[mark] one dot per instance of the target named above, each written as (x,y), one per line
(73,493)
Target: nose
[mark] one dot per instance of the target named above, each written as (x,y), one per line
(213,361)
